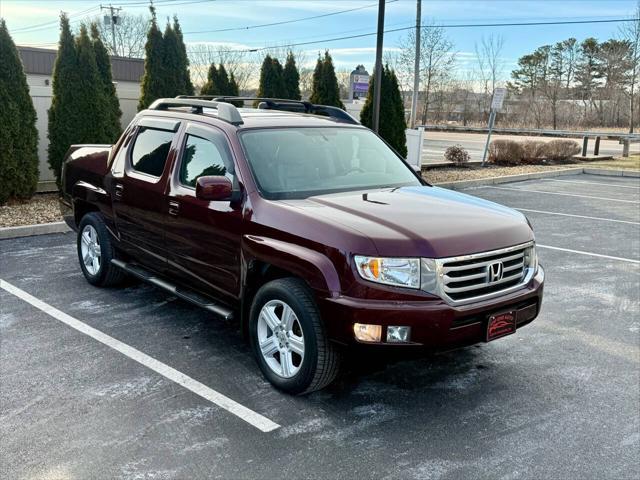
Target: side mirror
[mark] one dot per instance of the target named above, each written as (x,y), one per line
(212,188)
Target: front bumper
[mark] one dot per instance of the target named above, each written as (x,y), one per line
(434,323)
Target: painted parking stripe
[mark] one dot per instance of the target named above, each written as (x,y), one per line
(563,194)
(591,254)
(576,216)
(635,187)
(240,411)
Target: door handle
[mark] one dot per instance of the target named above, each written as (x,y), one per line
(174,208)
(119,190)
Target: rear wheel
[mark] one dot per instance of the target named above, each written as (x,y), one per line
(289,340)
(95,252)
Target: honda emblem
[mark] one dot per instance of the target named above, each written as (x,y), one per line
(495,272)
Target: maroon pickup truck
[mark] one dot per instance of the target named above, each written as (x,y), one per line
(302,225)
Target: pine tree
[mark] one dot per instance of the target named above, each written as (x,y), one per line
(291,78)
(211,86)
(317,84)
(91,103)
(173,84)
(64,115)
(325,90)
(223,81)
(392,119)
(185,82)
(112,128)
(153,79)
(18,134)
(271,81)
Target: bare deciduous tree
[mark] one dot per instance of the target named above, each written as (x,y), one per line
(437,59)
(490,66)
(130,35)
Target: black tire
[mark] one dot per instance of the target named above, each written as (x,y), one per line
(321,362)
(107,274)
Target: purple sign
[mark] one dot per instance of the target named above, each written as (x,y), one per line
(360,87)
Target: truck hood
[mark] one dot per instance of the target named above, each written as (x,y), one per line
(422,221)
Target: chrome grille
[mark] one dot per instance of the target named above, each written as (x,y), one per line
(484,275)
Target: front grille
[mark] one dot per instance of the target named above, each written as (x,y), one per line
(483,275)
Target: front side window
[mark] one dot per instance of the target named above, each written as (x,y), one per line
(300,162)
(201,158)
(150,150)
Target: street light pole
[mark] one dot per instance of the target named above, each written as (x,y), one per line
(378,70)
(416,67)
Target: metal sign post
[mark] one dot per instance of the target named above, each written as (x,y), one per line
(496,106)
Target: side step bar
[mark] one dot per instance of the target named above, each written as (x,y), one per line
(188,295)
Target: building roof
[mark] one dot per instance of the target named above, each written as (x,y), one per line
(40,61)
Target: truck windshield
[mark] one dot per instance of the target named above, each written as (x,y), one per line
(301,162)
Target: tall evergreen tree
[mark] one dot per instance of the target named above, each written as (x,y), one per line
(223,81)
(325,89)
(152,86)
(18,134)
(392,119)
(271,81)
(65,118)
(184,59)
(291,78)
(172,64)
(211,85)
(112,128)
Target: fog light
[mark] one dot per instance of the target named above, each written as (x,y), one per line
(398,334)
(367,333)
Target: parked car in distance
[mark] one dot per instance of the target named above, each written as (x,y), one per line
(304,227)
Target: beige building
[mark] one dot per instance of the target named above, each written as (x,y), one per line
(38,66)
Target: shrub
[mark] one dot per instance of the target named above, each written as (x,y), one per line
(505,152)
(561,150)
(534,151)
(456,154)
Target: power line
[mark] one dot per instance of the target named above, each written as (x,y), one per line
(461,25)
(283,22)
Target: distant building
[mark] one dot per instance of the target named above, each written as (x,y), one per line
(38,65)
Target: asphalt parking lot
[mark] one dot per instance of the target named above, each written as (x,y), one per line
(559,399)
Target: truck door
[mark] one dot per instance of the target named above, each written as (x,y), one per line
(203,237)
(138,188)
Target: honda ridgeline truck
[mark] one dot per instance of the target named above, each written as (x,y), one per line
(303,226)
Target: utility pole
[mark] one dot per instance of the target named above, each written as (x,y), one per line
(377,88)
(416,67)
(113,19)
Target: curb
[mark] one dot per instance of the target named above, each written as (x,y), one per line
(509,178)
(612,173)
(30,230)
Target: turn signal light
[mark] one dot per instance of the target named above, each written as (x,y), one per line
(367,333)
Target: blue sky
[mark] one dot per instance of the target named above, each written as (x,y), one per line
(194,16)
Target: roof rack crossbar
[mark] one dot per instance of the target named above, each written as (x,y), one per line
(226,111)
(283,104)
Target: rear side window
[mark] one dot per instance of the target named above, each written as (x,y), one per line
(150,151)
(203,157)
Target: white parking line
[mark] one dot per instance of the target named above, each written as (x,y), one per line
(591,254)
(635,187)
(563,194)
(240,411)
(576,216)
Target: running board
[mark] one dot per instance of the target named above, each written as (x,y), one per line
(185,294)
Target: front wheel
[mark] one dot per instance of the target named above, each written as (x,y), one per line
(289,340)
(95,252)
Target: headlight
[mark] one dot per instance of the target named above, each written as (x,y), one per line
(531,258)
(399,272)
(429,275)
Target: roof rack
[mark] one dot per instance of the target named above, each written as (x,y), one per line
(283,104)
(226,111)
